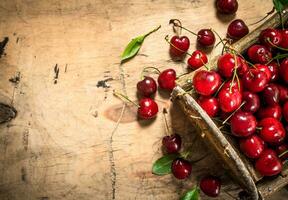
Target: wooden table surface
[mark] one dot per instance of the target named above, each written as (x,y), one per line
(65,142)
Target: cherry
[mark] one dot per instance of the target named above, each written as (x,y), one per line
(252,102)
(181,168)
(243,124)
(270,37)
(270,111)
(259,54)
(281,149)
(172,143)
(283,93)
(268,164)
(206,38)
(237,29)
(179,46)
(147,109)
(147,86)
(243,67)
(166,79)
(197,59)
(284,41)
(274,70)
(209,104)
(265,69)
(252,146)
(210,185)
(285,111)
(255,80)
(227,6)
(271,94)
(284,70)
(272,131)
(206,82)
(227,63)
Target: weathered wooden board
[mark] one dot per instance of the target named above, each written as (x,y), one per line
(64,143)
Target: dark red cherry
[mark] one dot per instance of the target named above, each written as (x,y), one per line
(237,29)
(166,79)
(252,102)
(181,168)
(271,94)
(209,104)
(283,93)
(252,146)
(243,124)
(270,37)
(206,82)
(272,131)
(259,54)
(147,86)
(206,38)
(284,70)
(182,45)
(172,143)
(210,185)
(255,80)
(284,41)
(285,111)
(264,68)
(197,59)
(274,70)
(281,149)
(227,6)
(270,111)
(148,108)
(227,63)
(268,164)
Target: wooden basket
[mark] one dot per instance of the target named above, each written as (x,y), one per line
(240,168)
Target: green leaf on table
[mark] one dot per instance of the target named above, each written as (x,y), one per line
(162,166)
(280,4)
(191,194)
(134,46)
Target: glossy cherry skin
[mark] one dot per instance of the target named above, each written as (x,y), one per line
(281,149)
(283,96)
(270,37)
(284,70)
(270,111)
(181,168)
(227,63)
(268,164)
(264,68)
(243,68)
(285,111)
(182,45)
(148,108)
(209,104)
(166,79)
(252,146)
(210,186)
(197,60)
(227,6)
(243,124)
(147,86)
(274,70)
(252,102)
(284,41)
(255,80)
(271,94)
(272,131)
(237,29)
(206,38)
(206,82)
(259,54)
(172,143)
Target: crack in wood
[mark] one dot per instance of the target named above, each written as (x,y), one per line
(3,45)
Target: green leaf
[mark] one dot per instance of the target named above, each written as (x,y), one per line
(191,194)
(162,166)
(280,4)
(134,46)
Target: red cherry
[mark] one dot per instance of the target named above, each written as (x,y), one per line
(209,104)
(210,186)
(237,29)
(272,131)
(227,6)
(206,82)
(172,143)
(284,41)
(197,60)
(252,102)
(252,146)
(274,70)
(206,38)
(148,108)
(283,93)
(243,67)
(243,124)
(270,111)
(271,94)
(255,80)
(226,64)
(285,111)
(147,86)
(268,163)
(284,70)
(166,79)
(265,69)
(259,54)
(181,168)
(270,37)
(182,45)
(281,149)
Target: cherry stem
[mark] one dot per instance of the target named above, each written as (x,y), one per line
(172,21)
(259,128)
(233,112)
(279,56)
(167,40)
(165,112)
(271,43)
(267,15)
(216,93)
(221,40)
(122,96)
(184,154)
(283,153)
(144,70)
(154,30)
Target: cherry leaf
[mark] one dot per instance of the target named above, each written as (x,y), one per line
(280,4)
(191,194)
(162,166)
